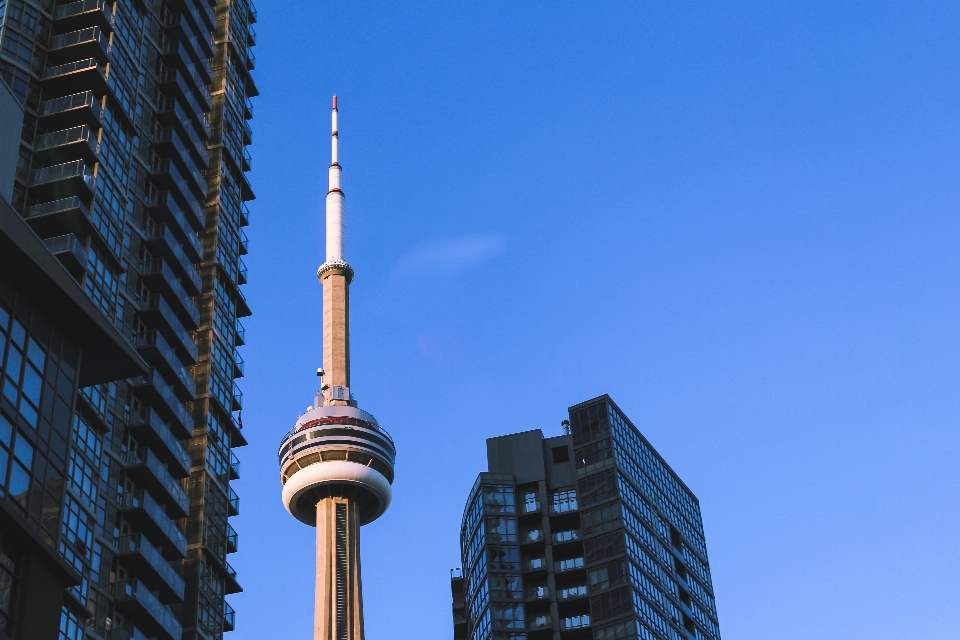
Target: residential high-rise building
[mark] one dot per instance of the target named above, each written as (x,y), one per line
(336,464)
(131,171)
(586,535)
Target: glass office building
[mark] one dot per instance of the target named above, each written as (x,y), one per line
(587,535)
(132,170)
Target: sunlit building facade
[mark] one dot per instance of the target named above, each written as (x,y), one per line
(586,535)
(132,171)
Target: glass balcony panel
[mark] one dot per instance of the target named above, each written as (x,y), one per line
(70,252)
(156,351)
(87,43)
(156,390)
(151,567)
(144,467)
(147,427)
(155,310)
(135,599)
(141,509)
(64,180)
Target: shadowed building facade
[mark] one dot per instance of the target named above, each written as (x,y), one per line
(587,535)
(336,464)
(130,171)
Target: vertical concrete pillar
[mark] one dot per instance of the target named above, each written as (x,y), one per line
(338,611)
(336,329)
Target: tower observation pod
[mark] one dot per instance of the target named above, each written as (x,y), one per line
(336,464)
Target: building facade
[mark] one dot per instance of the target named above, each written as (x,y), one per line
(587,535)
(131,169)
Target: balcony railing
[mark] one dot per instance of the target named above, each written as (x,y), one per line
(80,75)
(144,466)
(535,535)
(164,244)
(241,338)
(70,252)
(536,593)
(156,351)
(159,272)
(234,502)
(150,429)
(155,310)
(67,179)
(234,466)
(148,612)
(233,540)
(77,108)
(572,592)
(535,564)
(90,42)
(530,506)
(566,536)
(53,218)
(575,622)
(229,617)
(68,144)
(154,570)
(140,506)
(170,407)
(84,13)
(539,622)
(569,564)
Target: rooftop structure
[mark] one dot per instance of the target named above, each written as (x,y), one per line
(336,464)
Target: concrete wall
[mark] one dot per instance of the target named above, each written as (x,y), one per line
(11,123)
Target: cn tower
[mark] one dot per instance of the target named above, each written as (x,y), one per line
(336,464)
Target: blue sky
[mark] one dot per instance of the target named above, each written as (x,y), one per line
(739,220)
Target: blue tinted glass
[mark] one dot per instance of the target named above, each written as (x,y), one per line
(18,333)
(3,465)
(29,413)
(23,450)
(32,384)
(36,354)
(4,318)
(13,364)
(10,391)
(6,430)
(19,481)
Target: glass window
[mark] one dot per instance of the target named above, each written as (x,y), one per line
(6,431)
(23,451)
(504,558)
(36,354)
(502,529)
(506,586)
(507,616)
(498,498)
(563,501)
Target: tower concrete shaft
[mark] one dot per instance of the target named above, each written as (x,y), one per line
(338,611)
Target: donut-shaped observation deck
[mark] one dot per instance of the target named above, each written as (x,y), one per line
(337,451)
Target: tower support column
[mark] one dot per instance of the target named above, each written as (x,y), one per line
(339,599)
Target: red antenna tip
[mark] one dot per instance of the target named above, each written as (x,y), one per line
(334,101)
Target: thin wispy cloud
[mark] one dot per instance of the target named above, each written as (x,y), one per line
(449,256)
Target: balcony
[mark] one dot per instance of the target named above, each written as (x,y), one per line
(248,109)
(141,509)
(162,242)
(566,536)
(159,315)
(244,248)
(233,540)
(144,467)
(53,218)
(539,622)
(244,215)
(70,252)
(153,570)
(179,26)
(241,335)
(530,506)
(155,350)
(174,82)
(85,43)
(230,584)
(247,161)
(229,617)
(73,77)
(237,399)
(148,613)
(73,110)
(535,564)
(575,622)
(529,537)
(84,13)
(168,176)
(233,502)
(170,113)
(241,273)
(168,142)
(184,221)
(127,632)
(64,180)
(177,53)
(536,593)
(234,466)
(147,427)
(76,143)
(570,564)
(160,276)
(156,390)
(572,592)
(247,133)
